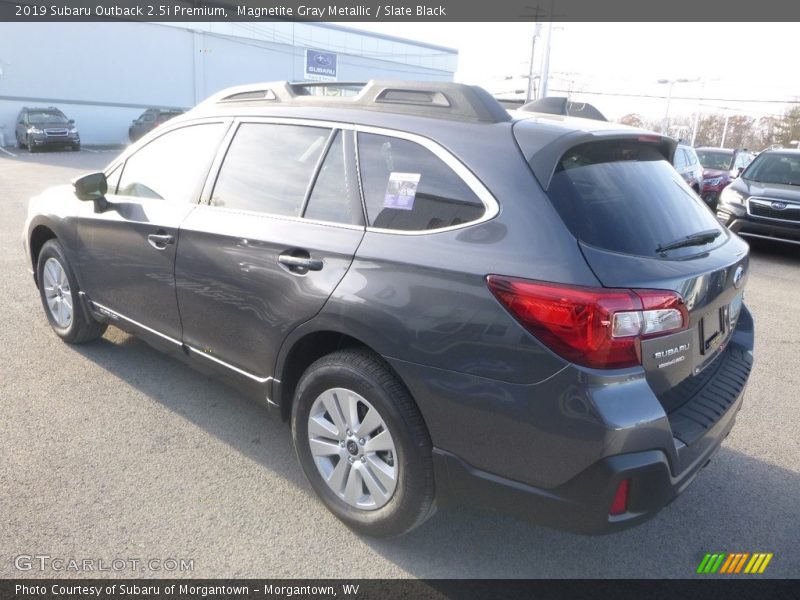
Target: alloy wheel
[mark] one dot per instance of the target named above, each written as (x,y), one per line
(353,449)
(57,293)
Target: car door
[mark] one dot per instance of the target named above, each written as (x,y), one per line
(278,232)
(680,164)
(127,252)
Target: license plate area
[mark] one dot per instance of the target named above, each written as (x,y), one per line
(716,326)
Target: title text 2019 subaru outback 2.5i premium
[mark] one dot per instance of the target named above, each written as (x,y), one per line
(449,301)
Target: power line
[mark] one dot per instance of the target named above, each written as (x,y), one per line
(698,99)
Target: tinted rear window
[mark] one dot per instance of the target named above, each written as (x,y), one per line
(625,197)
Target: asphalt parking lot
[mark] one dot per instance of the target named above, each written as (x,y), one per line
(115,451)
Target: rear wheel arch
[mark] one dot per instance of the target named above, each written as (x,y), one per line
(306,350)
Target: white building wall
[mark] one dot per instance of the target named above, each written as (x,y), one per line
(103,75)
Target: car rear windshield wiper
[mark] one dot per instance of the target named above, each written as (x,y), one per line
(696,239)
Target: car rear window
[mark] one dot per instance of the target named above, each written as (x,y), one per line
(625,197)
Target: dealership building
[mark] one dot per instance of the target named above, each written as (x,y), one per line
(103,75)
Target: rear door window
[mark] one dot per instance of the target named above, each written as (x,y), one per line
(625,197)
(268,168)
(408,188)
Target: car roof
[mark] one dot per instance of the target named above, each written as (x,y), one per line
(426,108)
(782,152)
(721,150)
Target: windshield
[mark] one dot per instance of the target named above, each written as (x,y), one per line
(774,168)
(625,197)
(720,161)
(46,118)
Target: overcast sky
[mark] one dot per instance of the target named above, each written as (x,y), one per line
(736,61)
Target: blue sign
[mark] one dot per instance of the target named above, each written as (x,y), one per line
(320,65)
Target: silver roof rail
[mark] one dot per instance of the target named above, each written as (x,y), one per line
(421,98)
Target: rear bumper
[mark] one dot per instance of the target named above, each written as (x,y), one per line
(582,504)
(656,474)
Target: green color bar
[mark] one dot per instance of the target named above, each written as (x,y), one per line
(718,564)
(710,563)
(703,563)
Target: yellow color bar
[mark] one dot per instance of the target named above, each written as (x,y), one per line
(755,563)
(764,564)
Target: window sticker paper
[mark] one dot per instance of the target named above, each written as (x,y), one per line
(401,191)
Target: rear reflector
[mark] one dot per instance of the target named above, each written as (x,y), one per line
(620,503)
(594,327)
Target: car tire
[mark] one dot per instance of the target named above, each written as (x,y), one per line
(372,468)
(20,145)
(31,147)
(58,290)
(76,147)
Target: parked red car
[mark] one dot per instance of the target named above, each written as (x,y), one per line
(720,167)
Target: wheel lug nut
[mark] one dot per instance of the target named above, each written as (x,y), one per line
(350,458)
(363,459)
(361,441)
(341,443)
(348,432)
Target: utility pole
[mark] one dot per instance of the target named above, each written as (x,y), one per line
(537,27)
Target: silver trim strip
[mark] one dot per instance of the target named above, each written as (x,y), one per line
(767,237)
(488,200)
(475,184)
(230,366)
(114,313)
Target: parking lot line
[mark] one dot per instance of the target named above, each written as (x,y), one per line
(7,152)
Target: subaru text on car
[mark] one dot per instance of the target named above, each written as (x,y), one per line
(449,302)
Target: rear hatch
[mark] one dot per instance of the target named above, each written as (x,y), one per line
(640,227)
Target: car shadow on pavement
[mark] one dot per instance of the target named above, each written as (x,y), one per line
(737,504)
(206,402)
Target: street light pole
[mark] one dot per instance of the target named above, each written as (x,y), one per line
(671,82)
(536,29)
(724,131)
(694,127)
(545,76)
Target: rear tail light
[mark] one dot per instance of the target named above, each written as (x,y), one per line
(620,502)
(594,327)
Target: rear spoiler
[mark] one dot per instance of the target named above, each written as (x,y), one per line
(544,154)
(556,105)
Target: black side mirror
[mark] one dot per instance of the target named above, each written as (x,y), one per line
(71,121)
(92,188)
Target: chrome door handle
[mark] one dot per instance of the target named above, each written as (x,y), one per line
(160,240)
(299,263)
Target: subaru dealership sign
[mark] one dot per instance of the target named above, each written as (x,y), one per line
(320,66)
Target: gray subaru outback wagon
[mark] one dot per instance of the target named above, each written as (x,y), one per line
(450,302)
